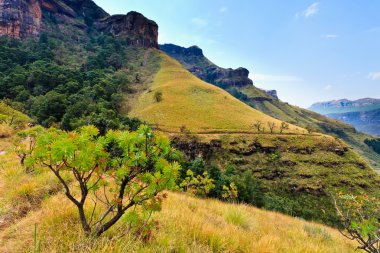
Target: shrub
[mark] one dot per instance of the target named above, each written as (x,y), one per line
(158,96)
(5,130)
(128,169)
(238,218)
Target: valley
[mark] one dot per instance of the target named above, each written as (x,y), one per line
(110,142)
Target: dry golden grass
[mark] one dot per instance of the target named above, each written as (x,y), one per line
(201,107)
(187,224)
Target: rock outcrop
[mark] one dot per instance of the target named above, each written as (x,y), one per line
(20,18)
(194,60)
(272,93)
(134,26)
(29,18)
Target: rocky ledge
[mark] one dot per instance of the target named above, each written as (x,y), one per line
(134,26)
(29,18)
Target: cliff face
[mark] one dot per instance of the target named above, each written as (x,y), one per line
(134,26)
(29,18)
(20,18)
(194,60)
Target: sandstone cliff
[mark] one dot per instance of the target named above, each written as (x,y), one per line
(29,18)
(194,60)
(138,29)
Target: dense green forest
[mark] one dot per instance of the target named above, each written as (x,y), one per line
(69,90)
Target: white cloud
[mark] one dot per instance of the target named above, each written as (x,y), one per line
(200,22)
(328,87)
(374,76)
(330,36)
(309,11)
(223,9)
(276,78)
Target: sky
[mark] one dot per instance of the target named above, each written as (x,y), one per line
(309,51)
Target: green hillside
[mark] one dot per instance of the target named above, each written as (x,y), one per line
(187,101)
(194,60)
(296,172)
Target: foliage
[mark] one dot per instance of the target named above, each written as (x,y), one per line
(284,126)
(158,96)
(128,169)
(66,84)
(25,143)
(199,185)
(230,193)
(359,216)
(374,144)
(229,184)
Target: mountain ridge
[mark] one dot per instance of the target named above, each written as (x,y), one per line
(345,105)
(23,19)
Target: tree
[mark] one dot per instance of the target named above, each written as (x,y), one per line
(119,171)
(258,126)
(200,185)
(230,193)
(271,126)
(25,143)
(158,96)
(360,218)
(309,129)
(284,126)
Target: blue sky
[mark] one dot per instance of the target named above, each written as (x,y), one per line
(307,50)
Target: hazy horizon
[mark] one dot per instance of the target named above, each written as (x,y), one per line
(309,51)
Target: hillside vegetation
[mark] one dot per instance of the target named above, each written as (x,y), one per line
(192,103)
(194,60)
(185,224)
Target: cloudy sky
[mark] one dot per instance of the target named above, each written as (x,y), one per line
(307,50)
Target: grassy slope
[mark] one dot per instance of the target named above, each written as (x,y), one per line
(302,117)
(9,112)
(261,101)
(201,107)
(186,224)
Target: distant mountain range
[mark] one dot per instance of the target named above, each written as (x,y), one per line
(363,114)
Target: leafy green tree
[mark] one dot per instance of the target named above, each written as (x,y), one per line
(230,193)
(128,169)
(360,218)
(25,143)
(200,185)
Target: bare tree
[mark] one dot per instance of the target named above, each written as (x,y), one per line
(258,125)
(271,126)
(284,126)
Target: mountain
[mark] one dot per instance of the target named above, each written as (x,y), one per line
(364,121)
(194,60)
(363,114)
(75,65)
(23,19)
(211,108)
(345,105)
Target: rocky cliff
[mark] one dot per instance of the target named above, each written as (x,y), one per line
(194,60)
(20,18)
(29,18)
(138,29)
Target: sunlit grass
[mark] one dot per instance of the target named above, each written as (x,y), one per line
(186,224)
(199,106)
